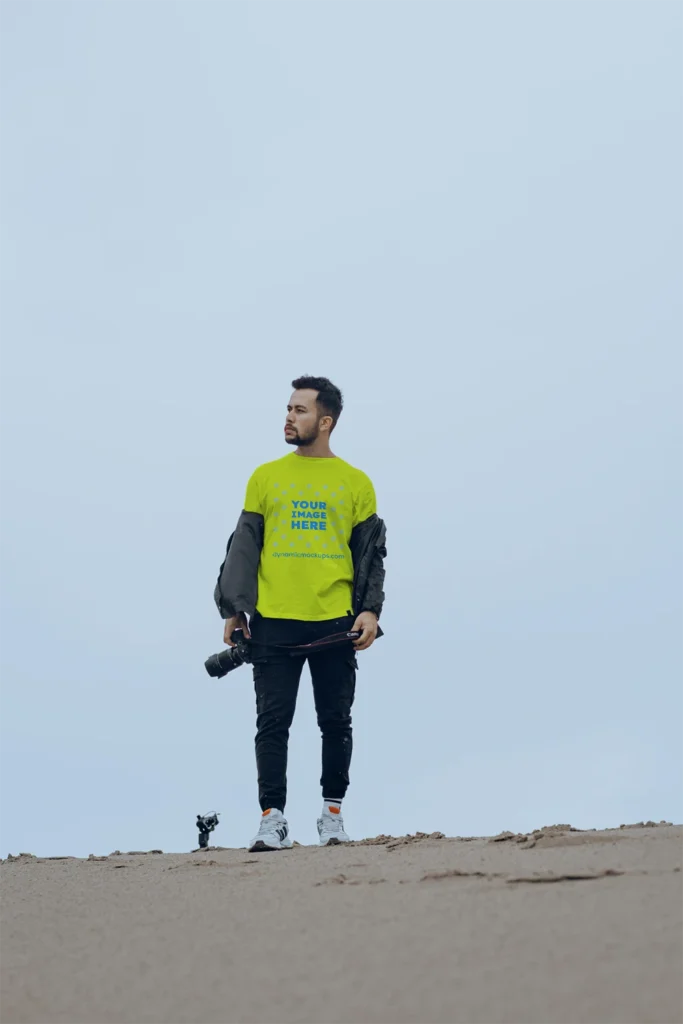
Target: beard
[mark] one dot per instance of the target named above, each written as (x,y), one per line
(302,442)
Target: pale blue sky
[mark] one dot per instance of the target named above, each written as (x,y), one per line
(469,216)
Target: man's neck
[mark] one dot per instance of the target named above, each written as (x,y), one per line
(318,450)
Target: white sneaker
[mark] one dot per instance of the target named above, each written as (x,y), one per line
(273,833)
(331,828)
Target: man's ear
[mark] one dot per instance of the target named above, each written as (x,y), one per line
(326,423)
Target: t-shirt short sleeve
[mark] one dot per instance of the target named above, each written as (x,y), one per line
(252,500)
(365,504)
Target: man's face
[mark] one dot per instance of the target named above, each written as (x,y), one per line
(302,426)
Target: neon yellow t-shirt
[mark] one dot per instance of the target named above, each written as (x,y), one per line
(309,507)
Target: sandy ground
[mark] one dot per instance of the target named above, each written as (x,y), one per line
(561,927)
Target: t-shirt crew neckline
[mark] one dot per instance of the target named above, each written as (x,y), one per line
(315,458)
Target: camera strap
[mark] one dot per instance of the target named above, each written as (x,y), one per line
(325,642)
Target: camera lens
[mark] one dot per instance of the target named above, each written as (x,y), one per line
(218,665)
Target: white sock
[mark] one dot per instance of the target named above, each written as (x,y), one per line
(332,806)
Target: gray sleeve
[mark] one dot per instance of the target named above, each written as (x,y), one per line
(374,593)
(237,586)
(368,549)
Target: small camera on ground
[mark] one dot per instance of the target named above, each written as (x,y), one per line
(206,823)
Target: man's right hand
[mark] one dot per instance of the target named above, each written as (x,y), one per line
(238,621)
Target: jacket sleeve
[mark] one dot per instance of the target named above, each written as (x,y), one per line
(237,586)
(368,549)
(374,591)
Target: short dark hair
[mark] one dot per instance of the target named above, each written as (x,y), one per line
(329,400)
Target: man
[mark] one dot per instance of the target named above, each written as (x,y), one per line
(305,562)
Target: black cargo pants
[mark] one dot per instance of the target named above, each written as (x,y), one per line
(276,681)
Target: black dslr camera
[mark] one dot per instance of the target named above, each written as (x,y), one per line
(218,665)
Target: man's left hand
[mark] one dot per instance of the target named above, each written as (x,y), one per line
(366,623)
